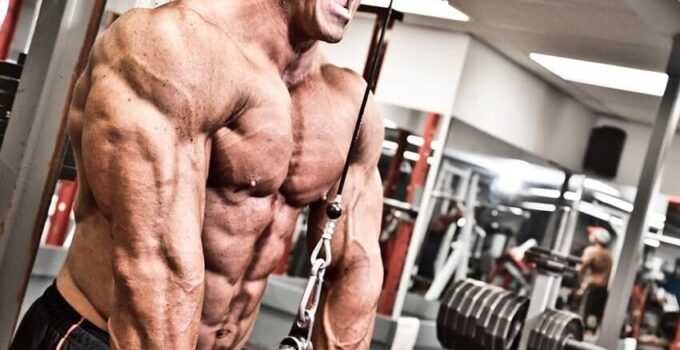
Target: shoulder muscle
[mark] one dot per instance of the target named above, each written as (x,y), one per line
(372,129)
(174,59)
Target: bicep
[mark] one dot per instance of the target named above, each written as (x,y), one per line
(586,259)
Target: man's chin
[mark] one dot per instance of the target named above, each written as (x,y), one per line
(332,36)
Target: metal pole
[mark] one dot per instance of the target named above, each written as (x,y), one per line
(457,262)
(33,148)
(563,216)
(544,293)
(566,238)
(398,246)
(423,220)
(665,128)
(466,232)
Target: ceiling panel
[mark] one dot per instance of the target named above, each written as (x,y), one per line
(607,31)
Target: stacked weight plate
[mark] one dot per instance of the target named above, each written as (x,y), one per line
(555,330)
(474,315)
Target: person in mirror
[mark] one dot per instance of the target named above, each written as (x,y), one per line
(595,270)
(433,241)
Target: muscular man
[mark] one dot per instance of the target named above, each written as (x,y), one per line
(595,269)
(202,129)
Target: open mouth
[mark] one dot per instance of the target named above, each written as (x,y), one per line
(342,8)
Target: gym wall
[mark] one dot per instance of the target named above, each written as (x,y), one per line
(634,151)
(503,99)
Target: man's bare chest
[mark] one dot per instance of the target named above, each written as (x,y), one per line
(292,142)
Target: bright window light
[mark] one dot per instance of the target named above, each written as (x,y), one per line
(430,8)
(605,75)
(508,184)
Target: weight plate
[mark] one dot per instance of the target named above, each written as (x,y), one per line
(537,334)
(483,315)
(569,327)
(450,321)
(464,307)
(548,333)
(509,320)
(444,313)
(463,312)
(476,307)
(458,322)
(484,319)
(493,341)
(554,337)
(510,325)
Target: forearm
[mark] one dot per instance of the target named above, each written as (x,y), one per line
(349,308)
(158,269)
(347,315)
(157,303)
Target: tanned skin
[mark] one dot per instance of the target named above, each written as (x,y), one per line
(596,266)
(202,129)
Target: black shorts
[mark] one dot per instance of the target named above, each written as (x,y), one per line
(52,324)
(594,304)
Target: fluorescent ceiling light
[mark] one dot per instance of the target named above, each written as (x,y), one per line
(571,196)
(430,8)
(389,124)
(664,239)
(411,156)
(589,209)
(604,75)
(415,140)
(390,145)
(652,242)
(539,206)
(616,221)
(600,187)
(656,217)
(657,221)
(543,192)
(516,211)
(614,202)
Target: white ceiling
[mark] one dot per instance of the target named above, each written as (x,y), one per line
(607,31)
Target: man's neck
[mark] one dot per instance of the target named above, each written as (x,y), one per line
(264,25)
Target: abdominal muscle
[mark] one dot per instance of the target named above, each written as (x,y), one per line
(243,241)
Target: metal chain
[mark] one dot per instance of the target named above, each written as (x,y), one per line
(301,334)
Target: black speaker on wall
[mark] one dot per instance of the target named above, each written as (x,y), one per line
(604,151)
